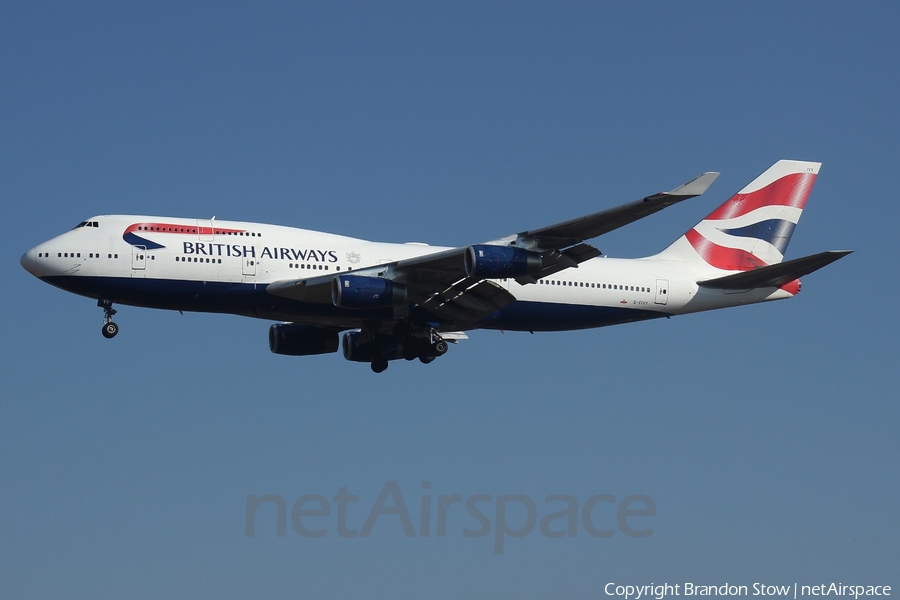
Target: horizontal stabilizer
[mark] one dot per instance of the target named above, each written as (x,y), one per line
(775,275)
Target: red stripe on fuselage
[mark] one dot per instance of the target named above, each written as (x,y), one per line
(171,228)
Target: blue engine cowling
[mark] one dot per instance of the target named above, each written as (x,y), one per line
(301,340)
(357,291)
(496,262)
(387,346)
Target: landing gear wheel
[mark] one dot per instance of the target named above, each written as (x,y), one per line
(426,359)
(439,348)
(110,330)
(379,365)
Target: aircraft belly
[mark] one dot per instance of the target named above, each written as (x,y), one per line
(245,299)
(549,316)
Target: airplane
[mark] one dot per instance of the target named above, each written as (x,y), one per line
(406,301)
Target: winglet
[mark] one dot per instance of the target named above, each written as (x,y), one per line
(696,186)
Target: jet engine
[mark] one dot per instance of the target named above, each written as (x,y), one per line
(358,291)
(495,262)
(386,346)
(301,340)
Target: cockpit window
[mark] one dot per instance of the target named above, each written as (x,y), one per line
(87,224)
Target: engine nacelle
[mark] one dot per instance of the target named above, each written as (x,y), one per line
(386,345)
(497,262)
(301,340)
(358,291)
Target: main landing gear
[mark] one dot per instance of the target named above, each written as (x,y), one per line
(422,348)
(377,345)
(110,329)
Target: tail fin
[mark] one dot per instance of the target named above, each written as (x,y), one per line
(752,229)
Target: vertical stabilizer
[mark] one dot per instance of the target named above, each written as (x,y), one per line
(752,229)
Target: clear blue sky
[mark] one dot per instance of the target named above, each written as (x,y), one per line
(766,436)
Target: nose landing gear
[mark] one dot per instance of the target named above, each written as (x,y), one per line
(110,329)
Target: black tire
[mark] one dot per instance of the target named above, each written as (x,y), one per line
(110,330)
(379,365)
(440,348)
(426,359)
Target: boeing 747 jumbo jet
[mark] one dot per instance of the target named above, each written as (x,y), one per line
(408,301)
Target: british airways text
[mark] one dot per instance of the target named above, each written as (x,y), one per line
(240,250)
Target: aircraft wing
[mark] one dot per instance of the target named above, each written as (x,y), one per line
(562,244)
(443,284)
(573,231)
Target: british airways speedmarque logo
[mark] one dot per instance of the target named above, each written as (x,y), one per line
(752,229)
(138,235)
(138,239)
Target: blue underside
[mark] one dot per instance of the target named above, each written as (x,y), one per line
(248,299)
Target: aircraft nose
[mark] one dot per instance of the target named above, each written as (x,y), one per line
(28,261)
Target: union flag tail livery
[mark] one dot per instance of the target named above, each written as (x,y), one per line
(407,301)
(753,228)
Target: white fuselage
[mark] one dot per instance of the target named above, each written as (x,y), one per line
(225,266)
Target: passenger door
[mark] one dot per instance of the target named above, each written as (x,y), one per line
(138,261)
(248,268)
(662,291)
